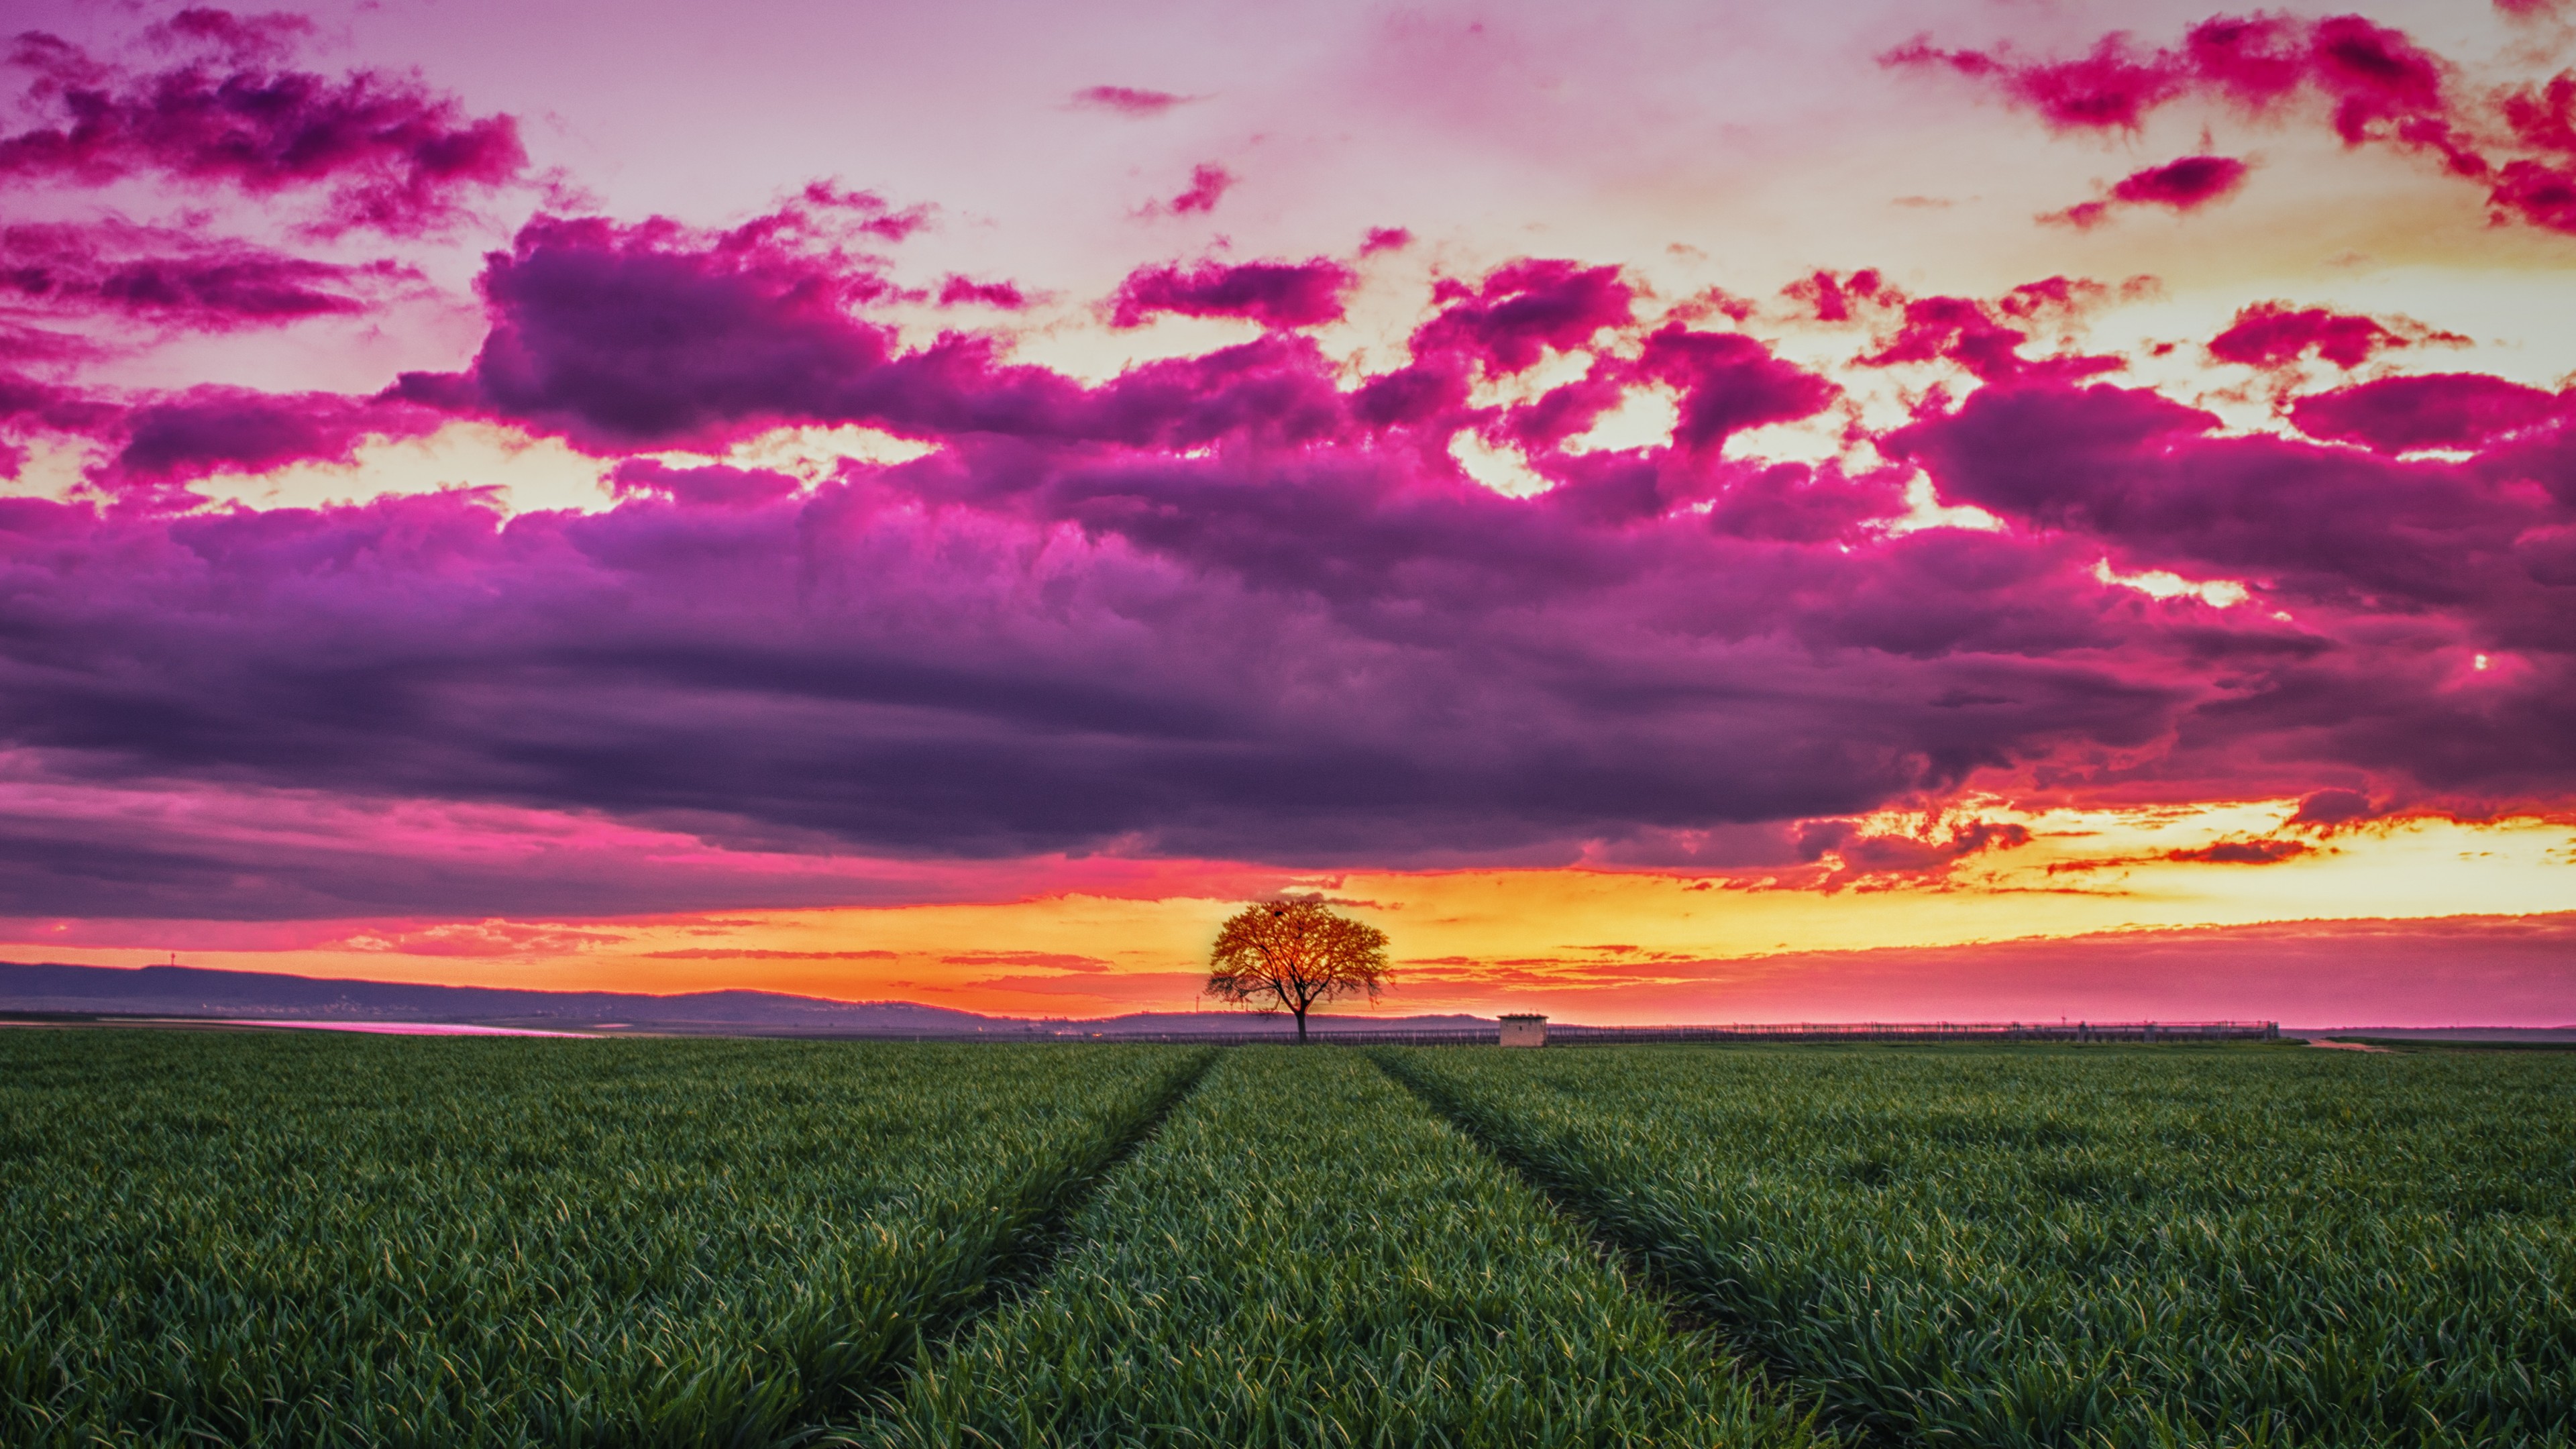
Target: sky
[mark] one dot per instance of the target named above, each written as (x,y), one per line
(1711,512)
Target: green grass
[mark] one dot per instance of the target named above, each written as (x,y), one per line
(1303,1255)
(2103,1246)
(325,1240)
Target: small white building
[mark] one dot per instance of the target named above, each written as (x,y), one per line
(1524,1031)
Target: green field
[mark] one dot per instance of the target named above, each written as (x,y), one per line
(1305,1255)
(244,1238)
(304,1239)
(2026,1246)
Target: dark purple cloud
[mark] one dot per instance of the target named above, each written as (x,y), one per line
(214,429)
(1861,857)
(2442,410)
(2334,809)
(2443,554)
(1985,338)
(2185,185)
(1190,673)
(703,487)
(1274,294)
(387,153)
(1728,382)
(957,291)
(169,278)
(2276,334)
(1518,312)
(616,336)
(2245,852)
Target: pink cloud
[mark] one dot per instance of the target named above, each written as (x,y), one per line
(1520,311)
(1209,183)
(1832,298)
(2503,970)
(1128,100)
(2114,87)
(2374,85)
(1047,960)
(745,953)
(957,291)
(244,39)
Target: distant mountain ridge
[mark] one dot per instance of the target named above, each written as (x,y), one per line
(198,991)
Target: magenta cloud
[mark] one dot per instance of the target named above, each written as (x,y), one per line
(1128,100)
(1209,183)
(384,152)
(2270,335)
(2372,84)
(170,278)
(212,429)
(2440,410)
(1274,294)
(958,291)
(2185,185)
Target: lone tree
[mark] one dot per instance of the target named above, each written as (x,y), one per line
(1293,954)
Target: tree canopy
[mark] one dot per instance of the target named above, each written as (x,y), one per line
(1292,954)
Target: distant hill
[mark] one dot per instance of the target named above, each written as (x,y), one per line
(197,991)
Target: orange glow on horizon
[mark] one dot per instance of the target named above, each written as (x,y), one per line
(1584,943)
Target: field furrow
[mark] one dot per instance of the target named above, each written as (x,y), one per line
(325,1240)
(2103,1246)
(1303,1255)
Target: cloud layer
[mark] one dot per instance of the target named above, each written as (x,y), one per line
(1255,601)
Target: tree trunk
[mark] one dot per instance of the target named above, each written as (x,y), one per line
(1301,1024)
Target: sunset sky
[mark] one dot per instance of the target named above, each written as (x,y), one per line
(1676,512)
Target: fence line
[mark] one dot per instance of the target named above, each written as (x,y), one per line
(1557,1034)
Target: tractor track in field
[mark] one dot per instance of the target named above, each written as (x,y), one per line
(1772,1376)
(1033,1251)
